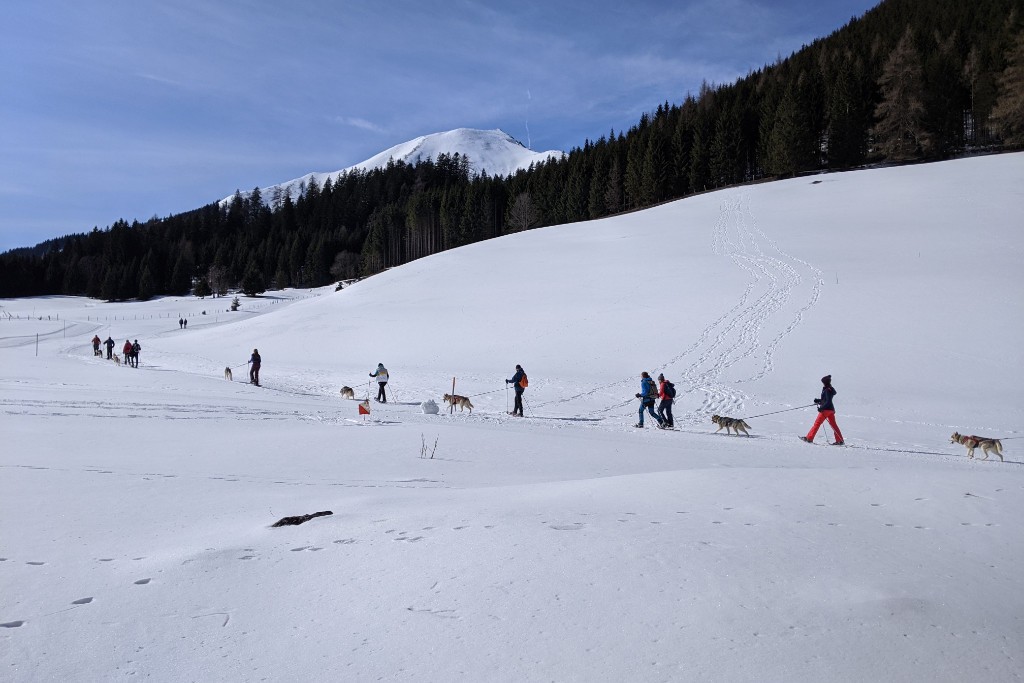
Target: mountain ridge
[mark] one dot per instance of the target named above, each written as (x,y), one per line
(492,151)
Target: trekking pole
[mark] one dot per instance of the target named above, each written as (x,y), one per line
(506,398)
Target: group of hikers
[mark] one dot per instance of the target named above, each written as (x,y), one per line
(182,323)
(130,350)
(665,392)
(662,393)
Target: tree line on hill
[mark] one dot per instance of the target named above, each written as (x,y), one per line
(906,82)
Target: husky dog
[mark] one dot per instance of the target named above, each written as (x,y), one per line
(730,423)
(117,359)
(460,401)
(972,442)
(227,373)
(346,392)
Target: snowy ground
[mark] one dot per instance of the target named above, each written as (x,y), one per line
(567,546)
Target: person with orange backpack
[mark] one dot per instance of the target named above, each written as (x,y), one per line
(519,383)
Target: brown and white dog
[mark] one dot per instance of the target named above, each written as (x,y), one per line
(227,373)
(972,442)
(460,401)
(346,392)
(117,359)
(730,423)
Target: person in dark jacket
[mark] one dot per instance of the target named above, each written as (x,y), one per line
(666,392)
(648,393)
(110,347)
(826,411)
(254,371)
(518,383)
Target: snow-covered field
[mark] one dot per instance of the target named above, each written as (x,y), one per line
(567,546)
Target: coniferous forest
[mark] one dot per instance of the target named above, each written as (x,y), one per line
(908,81)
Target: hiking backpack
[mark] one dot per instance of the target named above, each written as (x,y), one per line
(524,382)
(670,389)
(652,390)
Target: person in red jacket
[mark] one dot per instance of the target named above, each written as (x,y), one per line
(126,351)
(667,394)
(826,411)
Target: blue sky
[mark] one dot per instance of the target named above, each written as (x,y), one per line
(127,109)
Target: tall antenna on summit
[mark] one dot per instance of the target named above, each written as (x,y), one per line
(529,145)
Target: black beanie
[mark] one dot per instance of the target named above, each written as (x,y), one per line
(827,379)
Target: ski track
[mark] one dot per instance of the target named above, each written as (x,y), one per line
(776,279)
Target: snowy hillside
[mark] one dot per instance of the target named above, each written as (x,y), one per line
(493,151)
(566,545)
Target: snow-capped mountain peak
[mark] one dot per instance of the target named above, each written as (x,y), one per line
(492,151)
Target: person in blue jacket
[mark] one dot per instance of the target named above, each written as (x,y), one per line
(648,394)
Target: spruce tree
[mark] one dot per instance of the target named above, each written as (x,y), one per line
(145,288)
(252,282)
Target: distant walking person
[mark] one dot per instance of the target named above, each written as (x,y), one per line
(667,394)
(126,351)
(96,346)
(181,323)
(136,347)
(254,370)
(648,393)
(826,411)
(381,373)
(110,347)
(186,323)
(519,382)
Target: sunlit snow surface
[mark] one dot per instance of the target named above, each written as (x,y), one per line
(568,545)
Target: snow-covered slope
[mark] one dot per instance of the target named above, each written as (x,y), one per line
(493,151)
(568,545)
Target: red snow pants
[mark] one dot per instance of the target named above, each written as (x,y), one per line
(823,415)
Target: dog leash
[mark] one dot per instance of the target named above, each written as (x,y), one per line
(484,393)
(778,411)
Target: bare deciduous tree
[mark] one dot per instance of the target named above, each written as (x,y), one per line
(522,215)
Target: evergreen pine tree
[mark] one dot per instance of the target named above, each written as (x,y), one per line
(145,288)
(252,282)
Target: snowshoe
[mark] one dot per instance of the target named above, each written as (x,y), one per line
(638,425)
(805,439)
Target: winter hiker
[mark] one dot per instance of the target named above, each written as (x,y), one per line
(254,371)
(381,373)
(181,323)
(519,382)
(126,351)
(186,323)
(136,347)
(826,411)
(96,346)
(648,392)
(110,347)
(667,394)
